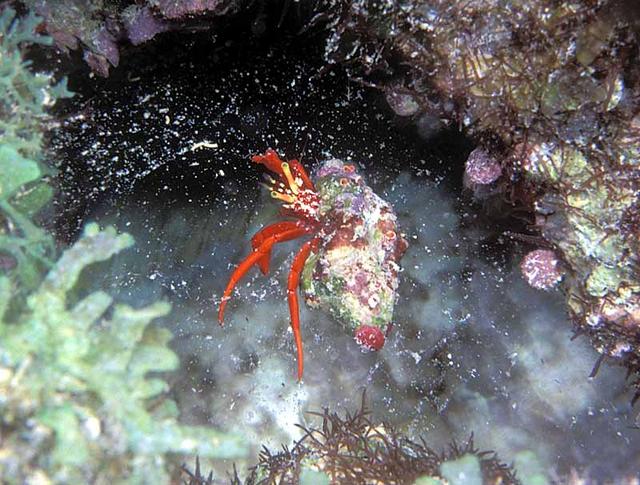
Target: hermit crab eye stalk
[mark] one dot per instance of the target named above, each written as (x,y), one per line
(288,190)
(292,186)
(293,183)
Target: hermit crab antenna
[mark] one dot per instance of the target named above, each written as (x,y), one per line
(292,172)
(286,193)
(289,199)
(292,186)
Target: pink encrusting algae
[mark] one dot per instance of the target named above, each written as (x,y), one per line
(541,269)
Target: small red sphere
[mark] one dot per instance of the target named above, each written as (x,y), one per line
(369,337)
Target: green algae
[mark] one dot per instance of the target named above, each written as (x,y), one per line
(79,374)
(81,397)
(27,95)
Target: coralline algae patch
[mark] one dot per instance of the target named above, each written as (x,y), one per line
(540,268)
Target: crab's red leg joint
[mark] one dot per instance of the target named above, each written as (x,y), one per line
(265,233)
(254,258)
(292,294)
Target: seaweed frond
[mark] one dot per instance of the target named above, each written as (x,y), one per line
(74,387)
(25,249)
(353,449)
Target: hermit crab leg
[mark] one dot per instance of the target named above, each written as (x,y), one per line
(292,294)
(265,233)
(252,259)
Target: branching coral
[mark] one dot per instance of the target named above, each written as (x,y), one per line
(353,449)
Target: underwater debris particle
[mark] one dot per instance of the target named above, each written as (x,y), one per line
(540,269)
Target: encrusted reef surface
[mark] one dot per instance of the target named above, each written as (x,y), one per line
(355,275)
(551,92)
(548,89)
(99,27)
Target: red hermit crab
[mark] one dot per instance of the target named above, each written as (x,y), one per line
(349,266)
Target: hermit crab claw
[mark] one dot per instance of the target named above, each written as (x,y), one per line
(369,337)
